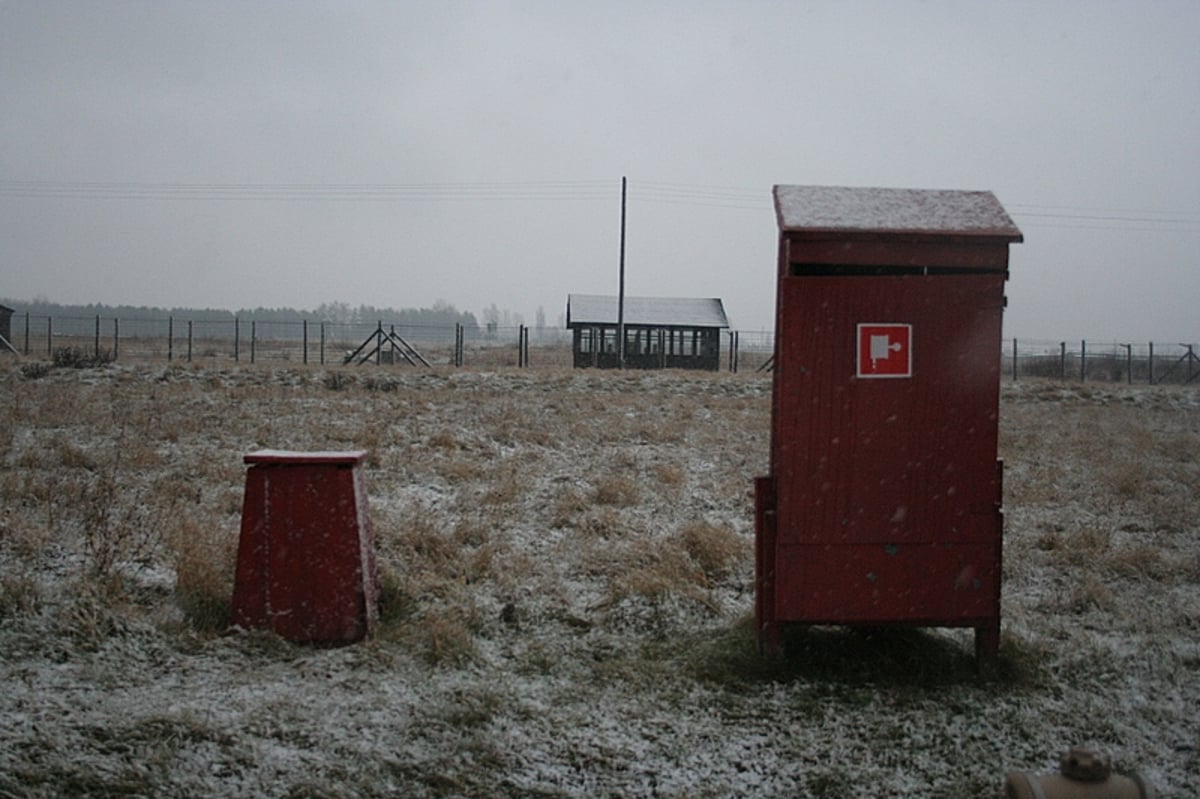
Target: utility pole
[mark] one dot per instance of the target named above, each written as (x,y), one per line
(621,290)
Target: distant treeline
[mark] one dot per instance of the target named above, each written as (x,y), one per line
(440,315)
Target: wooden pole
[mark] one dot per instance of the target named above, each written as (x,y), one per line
(621,288)
(304,335)
(96,348)
(170,338)
(1014,359)
(1083,361)
(1150,379)
(190,331)
(253,337)
(116,337)
(237,339)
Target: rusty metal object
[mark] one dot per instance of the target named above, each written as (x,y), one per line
(1083,774)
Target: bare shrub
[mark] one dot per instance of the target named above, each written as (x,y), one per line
(120,525)
(35,370)
(338,381)
(79,358)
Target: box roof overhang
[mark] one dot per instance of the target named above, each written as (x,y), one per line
(852,213)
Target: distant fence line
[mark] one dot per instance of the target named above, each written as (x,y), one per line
(321,342)
(1150,363)
(329,343)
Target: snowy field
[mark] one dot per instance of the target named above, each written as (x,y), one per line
(567,573)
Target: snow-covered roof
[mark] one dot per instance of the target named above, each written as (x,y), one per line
(598,309)
(842,209)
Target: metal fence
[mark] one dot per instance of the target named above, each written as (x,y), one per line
(1112,362)
(382,343)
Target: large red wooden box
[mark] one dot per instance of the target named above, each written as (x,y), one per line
(883,502)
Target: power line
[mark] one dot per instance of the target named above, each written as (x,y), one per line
(324,192)
(659,192)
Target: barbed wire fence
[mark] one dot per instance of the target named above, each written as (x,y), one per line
(251,341)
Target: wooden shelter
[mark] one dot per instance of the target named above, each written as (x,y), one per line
(660,332)
(6,314)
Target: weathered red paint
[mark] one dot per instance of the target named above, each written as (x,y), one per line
(306,556)
(883,503)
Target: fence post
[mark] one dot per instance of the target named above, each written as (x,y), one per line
(1129,363)
(322,343)
(170,338)
(116,337)
(458,344)
(1014,359)
(1151,378)
(1083,361)
(27,333)
(189,355)
(96,348)
(253,337)
(237,339)
(304,335)
(50,337)
(1062,360)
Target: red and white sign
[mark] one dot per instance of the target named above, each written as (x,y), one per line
(884,349)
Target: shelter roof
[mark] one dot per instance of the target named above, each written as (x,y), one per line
(598,309)
(924,212)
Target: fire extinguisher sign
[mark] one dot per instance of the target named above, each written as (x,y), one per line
(884,349)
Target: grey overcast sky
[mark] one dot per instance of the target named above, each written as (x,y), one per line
(235,154)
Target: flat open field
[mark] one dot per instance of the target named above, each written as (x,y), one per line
(567,571)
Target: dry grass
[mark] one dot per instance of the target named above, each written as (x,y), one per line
(616,490)
(594,531)
(715,549)
(204,557)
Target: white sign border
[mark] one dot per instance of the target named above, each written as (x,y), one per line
(858,353)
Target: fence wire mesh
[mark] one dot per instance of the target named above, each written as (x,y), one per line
(332,344)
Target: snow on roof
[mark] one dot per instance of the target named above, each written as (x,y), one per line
(843,209)
(597,309)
